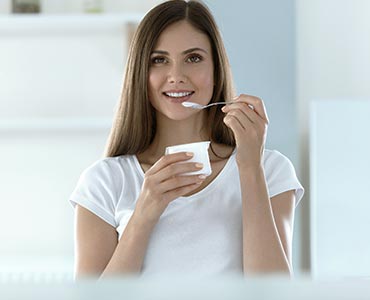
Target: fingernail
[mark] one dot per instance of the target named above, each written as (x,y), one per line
(202,176)
(199,165)
(190,154)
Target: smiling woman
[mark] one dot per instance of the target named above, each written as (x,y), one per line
(138,211)
(180,72)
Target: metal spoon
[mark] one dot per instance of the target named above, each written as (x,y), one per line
(200,106)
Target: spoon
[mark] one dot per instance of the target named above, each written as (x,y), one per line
(200,106)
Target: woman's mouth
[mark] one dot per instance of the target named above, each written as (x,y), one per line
(178,97)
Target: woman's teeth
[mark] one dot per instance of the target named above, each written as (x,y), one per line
(178,95)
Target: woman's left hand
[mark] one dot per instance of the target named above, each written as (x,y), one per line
(249,126)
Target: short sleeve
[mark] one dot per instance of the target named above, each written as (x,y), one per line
(96,192)
(280,175)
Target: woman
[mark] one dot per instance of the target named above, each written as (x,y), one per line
(136,213)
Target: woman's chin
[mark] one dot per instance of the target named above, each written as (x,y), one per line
(180,115)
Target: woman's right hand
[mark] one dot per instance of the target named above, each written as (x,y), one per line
(164,182)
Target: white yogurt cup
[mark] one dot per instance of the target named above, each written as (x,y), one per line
(200,151)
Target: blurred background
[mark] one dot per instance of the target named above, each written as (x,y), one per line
(61,71)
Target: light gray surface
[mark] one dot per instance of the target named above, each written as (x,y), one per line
(186,288)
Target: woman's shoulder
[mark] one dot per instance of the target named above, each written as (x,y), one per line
(270,156)
(111,166)
(274,161)
(281,175)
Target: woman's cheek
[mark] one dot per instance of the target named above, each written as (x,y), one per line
(154,85)
(205,79)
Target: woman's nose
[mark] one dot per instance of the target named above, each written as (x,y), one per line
(176,74)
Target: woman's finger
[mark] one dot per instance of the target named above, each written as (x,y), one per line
(252,116)
(242,118)
(244,108)
(177,182)
(168,159)
(179,192)
(234,124)
(176,169)
(256,103)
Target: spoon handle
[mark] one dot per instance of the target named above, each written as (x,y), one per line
(217,103)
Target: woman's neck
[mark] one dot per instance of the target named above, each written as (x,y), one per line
(175,132)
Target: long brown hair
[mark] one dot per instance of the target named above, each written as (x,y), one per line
(134,125)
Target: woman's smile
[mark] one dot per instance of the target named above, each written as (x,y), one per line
(178,96)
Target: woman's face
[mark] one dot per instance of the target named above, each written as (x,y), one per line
(181,70)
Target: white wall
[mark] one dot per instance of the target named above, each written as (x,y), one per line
(339,175)
(39,170)
(60,68)
(333,47)
(60,79)
(333,61)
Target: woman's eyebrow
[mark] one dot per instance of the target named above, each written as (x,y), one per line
(193,49)
(159,52)
(184,52)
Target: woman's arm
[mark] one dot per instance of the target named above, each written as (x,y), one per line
(267,226)
(98,252)
(283,208)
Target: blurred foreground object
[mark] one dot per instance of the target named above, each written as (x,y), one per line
(53,286)
(93,6)
(26,6)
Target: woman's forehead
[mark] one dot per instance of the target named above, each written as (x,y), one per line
(181,36)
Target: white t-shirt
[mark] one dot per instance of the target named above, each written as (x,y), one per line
(199,234)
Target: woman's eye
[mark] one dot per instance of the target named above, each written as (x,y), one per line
(158,60)
(194,58)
